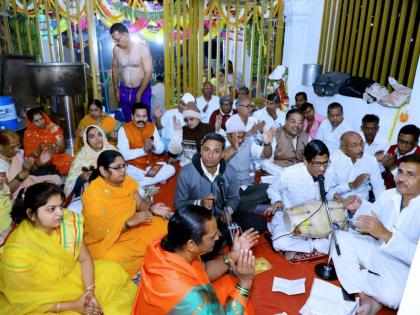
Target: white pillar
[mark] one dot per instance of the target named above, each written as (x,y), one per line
(303,22)
(414,107)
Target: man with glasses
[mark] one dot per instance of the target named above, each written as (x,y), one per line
(407,143)
(288,144)
(298,184)
(138,142)
(219,117)
(244,108)
(187,140)
(332,128)
(355,172)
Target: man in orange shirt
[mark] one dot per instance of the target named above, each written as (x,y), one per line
(139,142)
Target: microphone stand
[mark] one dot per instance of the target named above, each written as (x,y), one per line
(326,271)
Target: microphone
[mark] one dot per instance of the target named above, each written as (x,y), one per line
(321,182)
(221,182)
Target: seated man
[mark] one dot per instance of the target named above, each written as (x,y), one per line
(355,172)
(42,134)
(298,184)
(407,143)
(288,144)
(138,141)
(300,99)
(244,108)
(219,116)
(271,113)
(210,182)
(187,140)
(312,119)
(373,144)
(169,123)
(207,103)
(239,156)
(243,92)
(332,128)
(390,231)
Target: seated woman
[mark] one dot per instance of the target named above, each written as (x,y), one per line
(42,134)
(118,223)
(18,169)
(46,268)
(176,281)
(97,117)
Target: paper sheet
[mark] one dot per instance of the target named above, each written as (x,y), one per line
(290,287)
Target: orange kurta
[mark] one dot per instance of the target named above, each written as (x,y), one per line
(170,284)
(105,209)
(107,124)
(136,139)
(34,137)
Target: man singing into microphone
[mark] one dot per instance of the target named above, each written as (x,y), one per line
(299,184)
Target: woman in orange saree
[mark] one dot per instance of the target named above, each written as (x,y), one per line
(97,117)
(46,268)
(118,223)
(176,281)
(42,134)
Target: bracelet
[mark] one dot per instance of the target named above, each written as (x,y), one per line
(226,260)
(242,291)
(90,288)
(18,178)
(58,307)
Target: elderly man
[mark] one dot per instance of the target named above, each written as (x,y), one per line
(407,143)
(288,144)
(298,184)
(207,103)
(332,128)
(136,64)
(219,117)
(271,113)
(138,141)
(355,172)
(239,155)
(375,264)
(172,120)
(187,140)
(312,119)
(210,182)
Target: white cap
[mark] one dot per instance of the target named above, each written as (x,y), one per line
(278,73)
(235,124)
(187,98)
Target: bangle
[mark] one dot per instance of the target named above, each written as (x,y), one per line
(58,307)
(90,288)
(226,260)
(18,178)
(242,291)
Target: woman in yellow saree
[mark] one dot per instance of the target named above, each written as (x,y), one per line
(46,268)
(97,117)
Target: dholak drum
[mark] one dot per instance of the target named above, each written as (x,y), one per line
(310,220)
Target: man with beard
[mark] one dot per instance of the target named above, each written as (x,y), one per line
(136,64)
(390,230)
(138,141)
(332,128)
(355,172)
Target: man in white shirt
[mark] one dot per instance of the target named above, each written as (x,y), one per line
(172,120)
(355,172)
(244,108)
(374,145)
(158,96)
(332,128)
(390,232)
(271,113)
(207,103)
(298,184)
(138,141)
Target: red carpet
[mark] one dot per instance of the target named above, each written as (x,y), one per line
(265,301)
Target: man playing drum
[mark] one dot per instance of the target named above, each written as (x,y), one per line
(298,184)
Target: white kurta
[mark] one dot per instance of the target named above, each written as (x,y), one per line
(294,187)
(377,145)
(214,104)
(263,115)
(169,131)
(332,137)
(389,262)
(346,172)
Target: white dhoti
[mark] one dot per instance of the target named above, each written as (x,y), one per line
(387,277)
(166,172)
(284,241)
(270,167)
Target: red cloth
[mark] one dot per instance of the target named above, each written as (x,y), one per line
(212,121)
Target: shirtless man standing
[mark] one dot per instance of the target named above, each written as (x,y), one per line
(136,70)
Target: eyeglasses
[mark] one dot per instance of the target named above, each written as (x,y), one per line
(88,169)
(319,164)
(119,167)
(355,145)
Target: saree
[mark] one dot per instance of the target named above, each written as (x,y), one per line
(38,270)
(171,285)
(34,136)
(106,123)
(85,158)
(106,209)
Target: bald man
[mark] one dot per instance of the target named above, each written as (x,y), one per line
(356,173)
